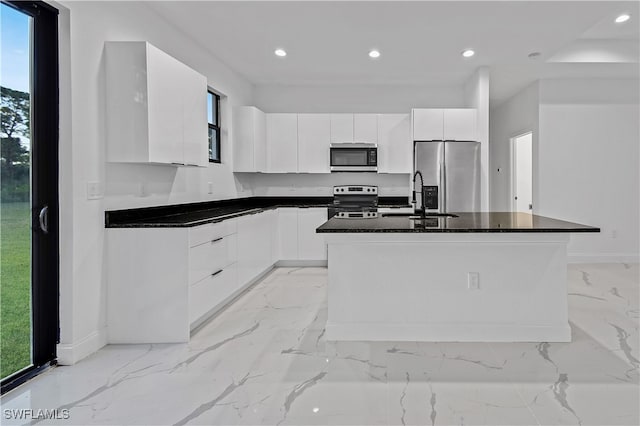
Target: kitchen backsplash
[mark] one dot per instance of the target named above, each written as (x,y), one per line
(261,184)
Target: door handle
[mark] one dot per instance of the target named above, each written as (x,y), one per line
(43,219)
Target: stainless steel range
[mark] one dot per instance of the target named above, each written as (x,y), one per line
(354,202)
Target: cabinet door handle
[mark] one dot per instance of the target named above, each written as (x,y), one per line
(216,240)
(177,164)
(216,273)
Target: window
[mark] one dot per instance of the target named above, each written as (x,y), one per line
(213,117)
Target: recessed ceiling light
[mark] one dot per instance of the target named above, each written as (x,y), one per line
(374,54)
(468,53)
(280,52)
(623,18)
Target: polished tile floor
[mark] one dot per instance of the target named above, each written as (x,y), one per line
(265,361)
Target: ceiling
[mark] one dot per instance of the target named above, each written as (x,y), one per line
(327,42)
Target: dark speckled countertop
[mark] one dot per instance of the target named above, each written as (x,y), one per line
(194,214)
(489,222)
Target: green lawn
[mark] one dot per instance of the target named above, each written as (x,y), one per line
(15,288)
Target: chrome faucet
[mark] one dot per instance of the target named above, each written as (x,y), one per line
(413,198)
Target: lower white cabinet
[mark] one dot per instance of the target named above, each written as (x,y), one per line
(311,246)
(287,233)
(154,277)
(298,239)
(212,291)
(254,244)
(163,282)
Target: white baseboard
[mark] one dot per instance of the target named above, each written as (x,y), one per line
(70,353)
(300,263)
(463,332)
(603,258)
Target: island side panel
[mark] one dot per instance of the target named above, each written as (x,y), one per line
(414,287)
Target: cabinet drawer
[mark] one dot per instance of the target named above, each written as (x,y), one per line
(211,231)
(210,292)
(210,257)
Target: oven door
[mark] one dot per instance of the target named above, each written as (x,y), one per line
(353,159)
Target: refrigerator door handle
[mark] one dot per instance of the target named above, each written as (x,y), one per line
(442,190)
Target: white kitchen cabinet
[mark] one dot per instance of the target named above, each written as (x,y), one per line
(287,234)
(460,124)
(282,143)
(155,107)
(395,147)
(249,140)
(213,290)
(444,124)
(428,124)
(254,245)
(341,128)
(194,115)
(162,282)
(314,136)
(365,128)
(311,245)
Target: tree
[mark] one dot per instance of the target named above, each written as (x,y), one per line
(15,113)
(15,122)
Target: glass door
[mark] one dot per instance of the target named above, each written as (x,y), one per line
(28,190)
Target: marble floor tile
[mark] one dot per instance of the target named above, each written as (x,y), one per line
(265,360)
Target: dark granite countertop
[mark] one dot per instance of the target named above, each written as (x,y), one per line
(490,222)
(194,214)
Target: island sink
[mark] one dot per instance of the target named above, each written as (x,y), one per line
(414,216)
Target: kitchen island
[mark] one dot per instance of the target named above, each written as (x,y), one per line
(484,277)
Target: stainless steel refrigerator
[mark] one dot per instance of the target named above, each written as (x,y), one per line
(451,173)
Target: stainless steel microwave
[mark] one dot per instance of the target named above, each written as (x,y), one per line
(353,157)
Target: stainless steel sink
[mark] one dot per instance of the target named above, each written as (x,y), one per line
(414,216)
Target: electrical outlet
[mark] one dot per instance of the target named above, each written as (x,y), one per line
(473,280)
(142,190)
(614,233)
(210,187)
(94,190)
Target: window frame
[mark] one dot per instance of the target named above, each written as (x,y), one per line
(216,129)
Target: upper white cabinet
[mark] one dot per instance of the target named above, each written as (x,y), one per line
(249,140)
(314,136)
(444,124)
(156,107)
(394,143)
(282,143)
(428,124)
(354,128)
(341,128)
(460,124)
(194,115)
(365,128)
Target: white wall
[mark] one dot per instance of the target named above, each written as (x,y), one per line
(588,163)
(82,287)
(516,116)
(363,99)
(476,93)
(585,158)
